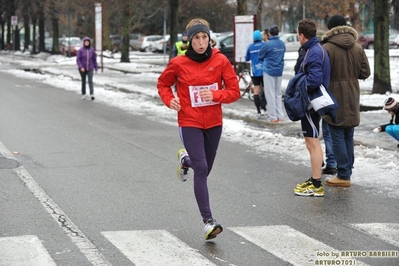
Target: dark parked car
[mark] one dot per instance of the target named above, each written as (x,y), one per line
(366,41)
(115,42)
(226,46)
(134,42)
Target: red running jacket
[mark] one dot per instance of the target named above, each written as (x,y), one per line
(216,73)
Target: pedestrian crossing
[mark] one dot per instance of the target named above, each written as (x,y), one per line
(24,251)
(160,247)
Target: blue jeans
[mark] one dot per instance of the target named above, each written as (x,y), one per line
(344,151)
(330,159)
(89,75)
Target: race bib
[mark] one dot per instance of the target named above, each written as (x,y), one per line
(196,100)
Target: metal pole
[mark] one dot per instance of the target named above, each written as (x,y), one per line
(164,35)
(69,32)
(13,42)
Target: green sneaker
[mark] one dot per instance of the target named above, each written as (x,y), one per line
(310,190)
(182,171)
(304,184)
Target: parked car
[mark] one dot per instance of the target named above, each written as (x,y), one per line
(225,44)
(159,45)
(148,43)
(291,41)
(366,41)
(70,45)
(116,41)
(135,41)
(394,41)
(48,44)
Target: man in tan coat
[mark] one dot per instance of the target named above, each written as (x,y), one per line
(348,63)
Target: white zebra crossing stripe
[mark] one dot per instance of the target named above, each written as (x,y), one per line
(388,232)
(24,251)
(289,244)
(155,247)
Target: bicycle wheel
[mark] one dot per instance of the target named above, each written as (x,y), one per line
(250,91)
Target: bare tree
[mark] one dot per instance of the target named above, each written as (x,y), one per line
(173,8)
(241,7)
(25,15)
(382,78)
(40,7)
(127,14)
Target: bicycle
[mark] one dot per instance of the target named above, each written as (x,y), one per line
(248,85)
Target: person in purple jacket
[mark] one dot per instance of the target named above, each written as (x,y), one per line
(87,63)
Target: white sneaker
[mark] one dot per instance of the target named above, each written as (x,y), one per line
(182,171)
(83,97)
(262,112)
(212,229)
(92,97)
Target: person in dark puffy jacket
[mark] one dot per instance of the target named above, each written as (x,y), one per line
(392,128)
(87,64)
(349,63)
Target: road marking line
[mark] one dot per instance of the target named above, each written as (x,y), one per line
(289,244)
(388,232)
(71,230)
(24,251)
(155,247)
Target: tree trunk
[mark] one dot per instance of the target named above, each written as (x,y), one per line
(2,46)
(241,7)
(54,22)
(42,47)
(173,8)
(382,78)
(25,10)
(34,43)
(126,31)
(259,9)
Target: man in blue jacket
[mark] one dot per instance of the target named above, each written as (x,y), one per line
(315,65)
(272,57)
(256,71)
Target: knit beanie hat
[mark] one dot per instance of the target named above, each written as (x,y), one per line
(257,35)
(335,21)
(390,104)
(198,28)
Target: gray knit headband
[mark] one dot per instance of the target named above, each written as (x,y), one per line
(197,28)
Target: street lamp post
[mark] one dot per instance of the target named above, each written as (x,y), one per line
(69,32)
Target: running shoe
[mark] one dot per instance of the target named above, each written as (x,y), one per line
(83,97)
(92,97)
(310,190)
(182,171)
(304,184)
(212,229)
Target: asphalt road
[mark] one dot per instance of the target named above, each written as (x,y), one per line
(87,181)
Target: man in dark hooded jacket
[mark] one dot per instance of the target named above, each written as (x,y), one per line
(349,63)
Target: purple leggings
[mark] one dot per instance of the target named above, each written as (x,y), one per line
(201,145)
